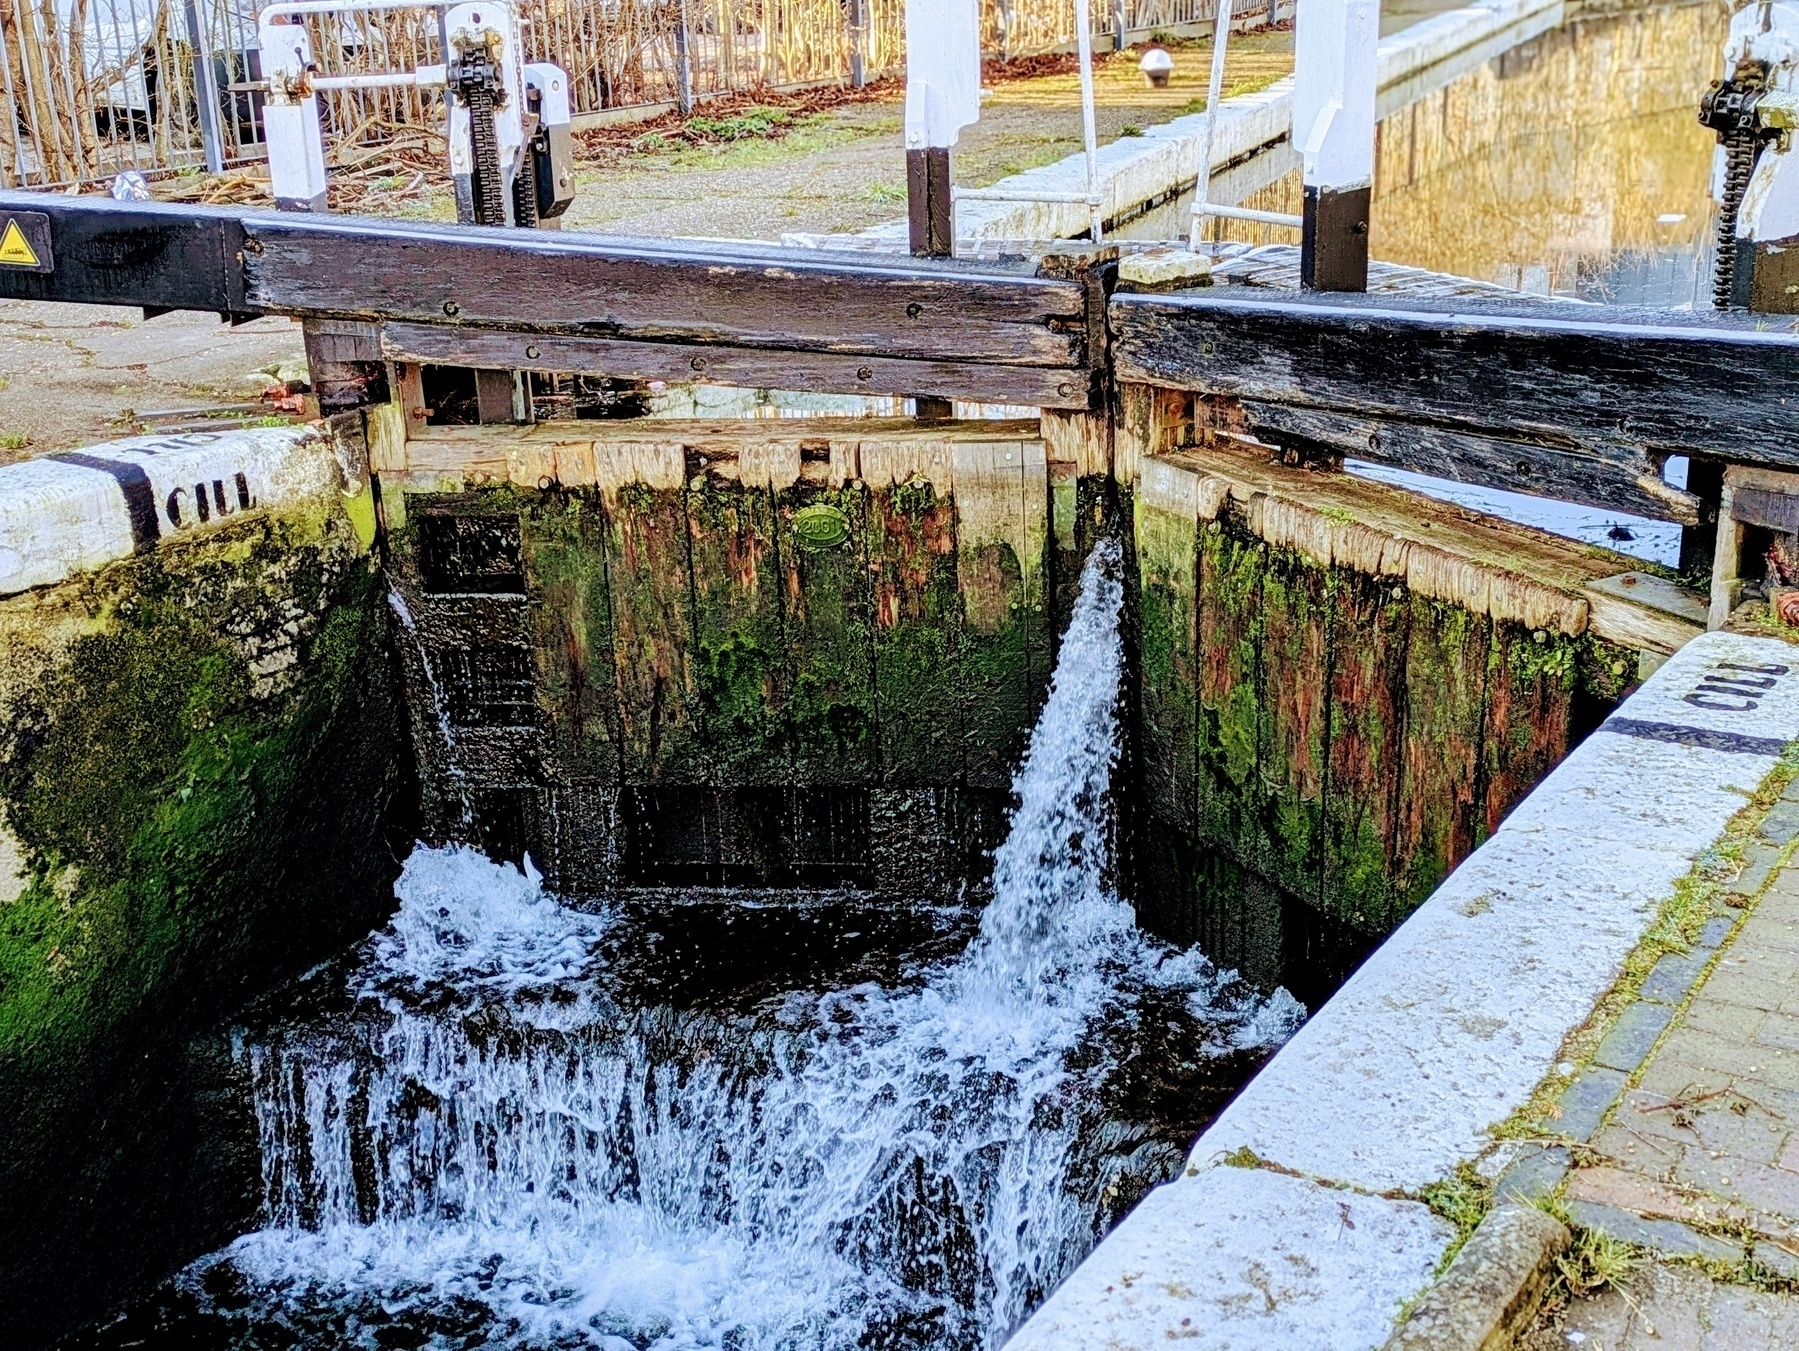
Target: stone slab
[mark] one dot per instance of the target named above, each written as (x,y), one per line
(1672,977)
(1632,1036)
(1236,1259)
(1716,930)
(1536,1172)
(77,510)
(1491,1289)
(1584,1102)
(1667,1237)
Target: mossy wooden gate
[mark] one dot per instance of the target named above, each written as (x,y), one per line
(674,653)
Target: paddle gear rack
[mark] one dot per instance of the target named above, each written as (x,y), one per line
(510,151)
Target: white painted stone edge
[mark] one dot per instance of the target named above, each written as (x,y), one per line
(73,511)
(1456,1019)
(1136,169)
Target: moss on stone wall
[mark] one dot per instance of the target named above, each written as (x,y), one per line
(213,742)
(198,755)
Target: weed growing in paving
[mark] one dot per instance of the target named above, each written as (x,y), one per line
(14,440)
(1463,1198)
(1590,1263)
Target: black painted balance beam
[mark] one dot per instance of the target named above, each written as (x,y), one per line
(728,312)
(1581,402)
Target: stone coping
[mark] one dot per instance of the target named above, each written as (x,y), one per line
(74,511)
(1442,1034)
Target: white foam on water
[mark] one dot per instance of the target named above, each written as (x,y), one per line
(495,1147)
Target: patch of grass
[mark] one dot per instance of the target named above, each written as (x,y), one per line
(1463,1198)
(14,440)
(1592,1262)
(1130,129)
(750,123)
(1248,84)
(1241,1157)
(884,192)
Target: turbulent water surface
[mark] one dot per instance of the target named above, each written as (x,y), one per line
(510,1123)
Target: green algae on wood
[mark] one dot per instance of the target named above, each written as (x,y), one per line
(567,570)
(1353,739)
(917,634)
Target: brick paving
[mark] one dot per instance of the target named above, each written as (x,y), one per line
(1690,1121)
(1674,1308)
(1709,1133)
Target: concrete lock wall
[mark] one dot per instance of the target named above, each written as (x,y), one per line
(198,749)
(668,654)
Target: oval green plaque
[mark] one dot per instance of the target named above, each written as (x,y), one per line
(820,526)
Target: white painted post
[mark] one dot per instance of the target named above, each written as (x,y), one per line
(943,95)
(290,122)
(1333,129)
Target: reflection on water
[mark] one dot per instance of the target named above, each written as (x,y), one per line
(1572,165)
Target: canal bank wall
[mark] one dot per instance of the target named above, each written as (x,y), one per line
(198,752)
(668,656)
(1302,1217)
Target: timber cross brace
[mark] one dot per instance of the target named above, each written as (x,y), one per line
(1580,402)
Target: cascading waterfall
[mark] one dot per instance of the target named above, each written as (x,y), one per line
(501,1143)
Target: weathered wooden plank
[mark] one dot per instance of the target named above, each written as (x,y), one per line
(1295,721)
(1493,567)
(1002,539)
(1442,796)
(917,630)
(600,286)
(1531,677)
(652,619)
(831,719)
(1616,383)
(235,262)
(152,254)
(1151,421)
(1231,690)
(564,550)
(740,655)
(976,382)
(1167,539)
(1367,730)
(1517,466)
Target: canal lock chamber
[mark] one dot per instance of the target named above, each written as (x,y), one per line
(825,1005)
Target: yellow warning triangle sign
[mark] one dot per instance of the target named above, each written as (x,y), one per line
(14,250)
